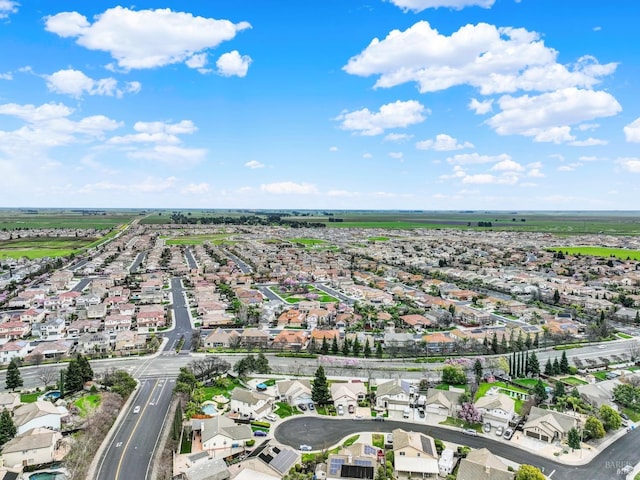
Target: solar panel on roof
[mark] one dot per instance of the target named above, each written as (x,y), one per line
(369,450)
(284,460)
(335,465)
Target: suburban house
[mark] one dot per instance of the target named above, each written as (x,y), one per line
(548,425)
(447,462)
(117,322)
(356,461)
(481,464)
(128,341)
(99,342)
(442,402)
(150,317)
(414,455)
(253,337)
(289,340)
(97,311)
(200,466)
(347,394)
(36,446)
(221,433)
(55,349)
(294,392)
(9,400)
(14,349)
(267,461)
(496,409)
(38,414)
(250,404)
(393,395)
(220,338)
(14,330)
(600,393)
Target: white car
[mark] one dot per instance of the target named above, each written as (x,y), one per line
(271,417)
(305,448)
(136,409)
(470,431)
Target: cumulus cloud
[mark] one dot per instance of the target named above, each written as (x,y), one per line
(196,189)
(629,164)
(632,131)
(139,39)
(492,59)
(420,5)
(7,7)
(233,64)
(397,137)
(481,107)
(76,83)
(156,132)
(443,143)
(283,188)
(476,158)
(507,165)
(547,116)
(170,154)
(589,142)
(253,164)
(392,115)
(396,155)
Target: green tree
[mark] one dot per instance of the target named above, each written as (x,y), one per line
(593,428)
(312,347)
(573,439)
(379,352)
(356,347)
(556,297)
(529,472)
(564,363)
(533,365)
(334,345)
(494,343)
(346,347)
(7,427)
(121,382)
(558,391)
(540,392)
(73,377)
(13,379)
(611,419)
(367,349)
(261,364)
(503,344)
(556,367)
(477,368)
(548,368)
(324,349)
(320,393)
(453,375)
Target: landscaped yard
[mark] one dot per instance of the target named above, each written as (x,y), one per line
(633,415)
(350,441)
(456,422)
(311,293)
(600,375)
(87,404)
(527,382)
(503,388)
(29,397)
(377,440)
(574,381)
(285,410)
(224,387)
(624,335)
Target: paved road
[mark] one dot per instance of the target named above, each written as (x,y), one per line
(82,284)
(334,293)
(264,290)
(242,265)
(181,318)
(191,261)
(137,262)
(130,451)
(78,265)
(322,433)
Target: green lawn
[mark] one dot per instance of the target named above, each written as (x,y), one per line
(29,397)
(297,298)
(308,242)
(527,382)
(624,335)
(605,252)
(600,375)
(444,386)
(574,381)
(378,239)
(377,440)
(185,446)
(87,404)
(456,422)
(285,410)
(484,388)
(214,239)
(633,414)
(350,441)
(224,387)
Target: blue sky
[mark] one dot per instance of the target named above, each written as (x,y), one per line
(343,104)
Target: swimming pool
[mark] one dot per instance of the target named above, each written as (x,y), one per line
(209,409)
(48,476)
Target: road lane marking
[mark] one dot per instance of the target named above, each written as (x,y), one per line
(118,445)
(133,431)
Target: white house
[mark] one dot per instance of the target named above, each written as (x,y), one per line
(294,392)
(414,455)
(346,394)
(249,403)
(221,433)
(496,409)
(393,395)
(38,414)
(447,462)
(13,349)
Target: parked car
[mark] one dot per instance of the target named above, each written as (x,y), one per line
(390,438)
(302,407)
(259,433)
(305,448)
(271,417)
(470,431)
(136,409)
(378,419)
(486,427)
(340,410)
(421,413)
(499,431)
(352,409)
(508,434)
(311,406)
(624,416)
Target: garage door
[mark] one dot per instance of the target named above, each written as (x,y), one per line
(544,438)
(532,435)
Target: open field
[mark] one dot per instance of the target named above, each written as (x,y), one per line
(311,290)
(39,247)
(43,218)
(308,242)
(563,223)
(619,253)
(214,239)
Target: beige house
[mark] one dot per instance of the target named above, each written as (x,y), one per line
(221,433)
(496,409)
(34,447)
(9,400)
(414,455)
(548,425)
(483,465)
(347,394)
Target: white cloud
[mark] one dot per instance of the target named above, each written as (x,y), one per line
(397,137)
(333,149)
(632,131)
(590,158)
(392,115)
(481,107)
(443,143)
(476,158)
(170,154)
(420,5)
(367,155)
(535,173)
(197,61)
(629,164)
(156,132)
(547,116)
(76,83)
(283,188)
(6,76)
(557,156)
(588,126)
(492,59)
(486,178)
(253,164)
(566,168)
(145,38)
(196,189)
(396,155)
(589,142)
(8,7)
(507,165)
(233,64)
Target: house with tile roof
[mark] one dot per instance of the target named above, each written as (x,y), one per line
(481,464)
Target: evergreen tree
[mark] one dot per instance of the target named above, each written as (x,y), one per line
(558,391)
(346,347)
(320,393)
(485,345)
(334,345)
(548,368)
(14,379)
(311,348)
(379,350)
(367,349)
(477,368)
(520,341)
(7,427)
(494,343)
(324,348)
(540,392)
(573,439)
(536,340)
(637,319)
(85,368)
(564,363)
(556,367)
(556,297)
(356,347)
(503,344)
(512,341)
(525,363)
(73,379)
(516,372)
(533,366)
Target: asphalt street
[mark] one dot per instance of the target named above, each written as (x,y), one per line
(191,261)
(81,285)
(242,265)
(130,451)
(323,433)
(137,262)
(181,319)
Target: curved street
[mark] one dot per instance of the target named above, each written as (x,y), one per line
(324,433)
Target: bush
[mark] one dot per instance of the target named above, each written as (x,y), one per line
(258,423)
(250,443)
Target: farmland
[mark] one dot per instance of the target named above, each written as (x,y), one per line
(619,253)
(45,219)
(215,239)
(39,247)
